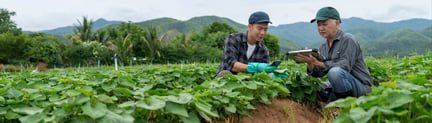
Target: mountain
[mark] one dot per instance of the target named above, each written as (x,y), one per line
(373,36)
(400,42)
(191,25)
(100,23)
(306,34)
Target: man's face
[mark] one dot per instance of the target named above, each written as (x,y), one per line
(328,28)
(257,31)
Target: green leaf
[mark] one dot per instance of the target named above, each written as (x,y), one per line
(109,86)
(359,115)
(37,96)
(125,83)
(250,85)
(33,118)
(3,110)
(396,99)
(233,94)
(230,108)
(124,91)
(2,101)
(264,98)
(12,115)
(342,118)
(176,108)
(183,98)
(151,103)
(85,91)
(193,118)
(27,110)
(72,93)
(205,108)
(343,103)
(203,115)
(13,93)
(127,104)
(94,111)
(283,90)
(81,99)
(112,117)
(106,99)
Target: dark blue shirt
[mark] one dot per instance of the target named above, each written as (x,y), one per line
(345,53)
(235,49)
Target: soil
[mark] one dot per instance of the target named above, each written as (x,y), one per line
(283,110)
(41,66)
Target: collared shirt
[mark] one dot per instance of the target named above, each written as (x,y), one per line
(235,50)
(346,53)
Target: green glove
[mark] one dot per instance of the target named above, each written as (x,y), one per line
(260,67)
(281,75)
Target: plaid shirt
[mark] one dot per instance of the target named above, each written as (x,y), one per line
(235,51)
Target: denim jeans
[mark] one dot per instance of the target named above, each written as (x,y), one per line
(342,84)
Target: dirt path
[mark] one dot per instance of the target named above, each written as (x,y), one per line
(283,111)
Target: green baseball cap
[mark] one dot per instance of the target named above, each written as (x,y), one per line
(326,13)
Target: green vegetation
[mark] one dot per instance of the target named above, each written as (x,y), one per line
(189,93)
(130,42)
(405,97)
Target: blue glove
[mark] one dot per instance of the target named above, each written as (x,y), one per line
(282,75)
(260,67)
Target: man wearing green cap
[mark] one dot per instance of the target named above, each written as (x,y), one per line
(344,64)
(244,52)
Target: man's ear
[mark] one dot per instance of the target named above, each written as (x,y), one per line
(250,26)
(338,22)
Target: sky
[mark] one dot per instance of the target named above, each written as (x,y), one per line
(36,15)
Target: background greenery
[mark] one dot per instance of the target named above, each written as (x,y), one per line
(199,39)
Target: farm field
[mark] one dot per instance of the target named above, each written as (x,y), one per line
(189,93)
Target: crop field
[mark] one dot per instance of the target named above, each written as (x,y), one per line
(189,93)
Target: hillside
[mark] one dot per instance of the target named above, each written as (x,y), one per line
(305,33)
(193,24)
(402,42)
(100,23)
(295,35)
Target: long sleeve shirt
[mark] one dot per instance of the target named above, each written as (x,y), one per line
(346,53)
(235,49)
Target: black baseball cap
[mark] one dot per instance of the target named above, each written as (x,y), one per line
(326,13)
(259,17)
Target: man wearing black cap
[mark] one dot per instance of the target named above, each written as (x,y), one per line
(244,52)
(344,64)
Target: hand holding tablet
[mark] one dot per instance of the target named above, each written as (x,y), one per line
(306,52)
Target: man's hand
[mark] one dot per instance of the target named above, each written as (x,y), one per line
(260,67)
(310,60)
(305,59)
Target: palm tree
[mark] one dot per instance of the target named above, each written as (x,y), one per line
(84,29)
(152,42)
(120,43)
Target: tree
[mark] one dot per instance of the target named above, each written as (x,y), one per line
(44,47)
(84,29)
(152,42)
(197,46)
(272,43)
(6,24)
(213,35)
(12,48)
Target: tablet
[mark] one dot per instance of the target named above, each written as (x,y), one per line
(306,52)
